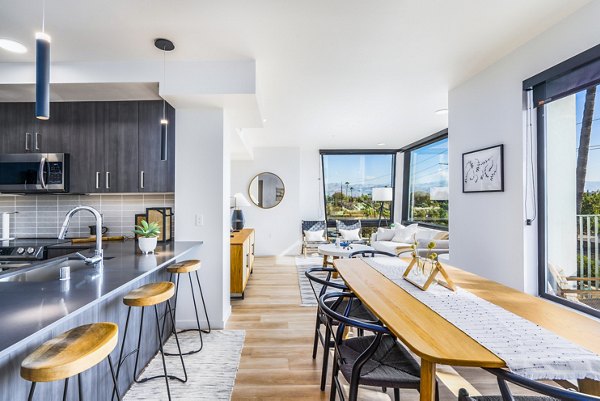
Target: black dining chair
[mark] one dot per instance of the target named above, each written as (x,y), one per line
(370,254)
(322,276)
(377,360)
(544,392)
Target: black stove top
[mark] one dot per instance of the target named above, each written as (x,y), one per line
(27,248)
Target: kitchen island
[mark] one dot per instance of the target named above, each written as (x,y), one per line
(37,305)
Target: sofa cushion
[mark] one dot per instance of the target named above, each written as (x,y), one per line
(442,235)
(390,246)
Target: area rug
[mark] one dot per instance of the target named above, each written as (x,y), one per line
(211,372)
(307,295)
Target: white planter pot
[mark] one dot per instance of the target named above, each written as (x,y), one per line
(147,245)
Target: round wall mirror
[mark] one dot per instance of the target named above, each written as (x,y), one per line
(266,190)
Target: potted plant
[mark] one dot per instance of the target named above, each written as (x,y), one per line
(148,236)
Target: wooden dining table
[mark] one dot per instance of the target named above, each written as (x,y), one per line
(437,341)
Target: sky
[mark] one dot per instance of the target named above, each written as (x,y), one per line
(429,166)
(363,172)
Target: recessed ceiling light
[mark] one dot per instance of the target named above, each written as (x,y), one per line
(12,46)
(264,120)
(441,111)
(381,144)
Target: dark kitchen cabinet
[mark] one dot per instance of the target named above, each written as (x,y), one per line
(154,174)
(114,146)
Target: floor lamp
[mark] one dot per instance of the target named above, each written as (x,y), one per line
(382,195)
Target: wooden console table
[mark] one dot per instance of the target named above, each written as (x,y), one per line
(242,260)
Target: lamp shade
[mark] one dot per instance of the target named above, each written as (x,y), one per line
(239,200)
(438,193)
(42,76)
(383,194)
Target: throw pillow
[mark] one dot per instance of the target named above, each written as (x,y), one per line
(350,235)
(385,234)
(343,226)
(406,235)
(314,236)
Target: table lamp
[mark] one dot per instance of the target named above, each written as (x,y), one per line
(237,218)
(382,195)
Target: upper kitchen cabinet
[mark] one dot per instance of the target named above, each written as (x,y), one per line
(114,147)
(155,175)
(19,128)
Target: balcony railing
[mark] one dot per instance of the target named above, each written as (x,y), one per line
(588,258)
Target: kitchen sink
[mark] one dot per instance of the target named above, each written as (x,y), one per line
(51,272)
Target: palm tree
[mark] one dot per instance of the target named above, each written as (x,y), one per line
(347,184)
(351,192)
(584,143)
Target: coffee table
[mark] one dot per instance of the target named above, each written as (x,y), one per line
(330,250)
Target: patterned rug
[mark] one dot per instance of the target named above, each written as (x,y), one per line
(306,292)
(211,372)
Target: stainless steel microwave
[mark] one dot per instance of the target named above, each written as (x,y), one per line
(34,173)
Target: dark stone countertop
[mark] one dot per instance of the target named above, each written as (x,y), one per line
(35,300)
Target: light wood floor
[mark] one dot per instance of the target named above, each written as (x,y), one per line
(276,361)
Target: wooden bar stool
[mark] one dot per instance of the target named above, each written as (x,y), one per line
(188,267)
(147,295)
(70,354)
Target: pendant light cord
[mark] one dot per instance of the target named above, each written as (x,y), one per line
(43,16)
(164,77)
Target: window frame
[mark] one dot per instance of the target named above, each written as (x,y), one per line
(327,152)
(438,136)
(539,82)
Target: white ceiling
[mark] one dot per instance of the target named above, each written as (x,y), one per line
(330,73)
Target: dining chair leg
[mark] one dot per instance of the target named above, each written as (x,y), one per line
(316,341)
(31,391)
(396,394)
(334,372)
(325,357)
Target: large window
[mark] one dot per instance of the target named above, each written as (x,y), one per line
(348,181)
(426,182)
(567,100)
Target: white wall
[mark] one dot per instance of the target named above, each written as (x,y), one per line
(488,231)
(278,228)
(202,188)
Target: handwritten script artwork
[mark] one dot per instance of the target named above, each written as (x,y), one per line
(483,170)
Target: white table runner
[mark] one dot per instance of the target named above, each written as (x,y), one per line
(528,349)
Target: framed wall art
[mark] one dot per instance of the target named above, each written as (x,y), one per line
(483,170)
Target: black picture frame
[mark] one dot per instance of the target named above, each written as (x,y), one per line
(499,170)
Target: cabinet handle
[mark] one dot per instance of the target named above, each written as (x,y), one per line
(142,179)
(108,180)
(27,135)
(37,147)
(97,180)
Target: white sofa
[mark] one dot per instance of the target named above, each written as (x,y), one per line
(423,237)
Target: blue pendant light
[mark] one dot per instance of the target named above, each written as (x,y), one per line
(42,71)
(166,46)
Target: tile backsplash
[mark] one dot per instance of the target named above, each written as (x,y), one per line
(42,216)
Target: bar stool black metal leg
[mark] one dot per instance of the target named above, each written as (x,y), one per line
(114,378)
(165,314)
(66,389)
(199,329)
(178,345)
(203,303)
(31,391)
(79,387)
(162,354)
(120,361)
(137,350)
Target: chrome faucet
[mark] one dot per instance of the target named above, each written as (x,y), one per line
(63,231)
